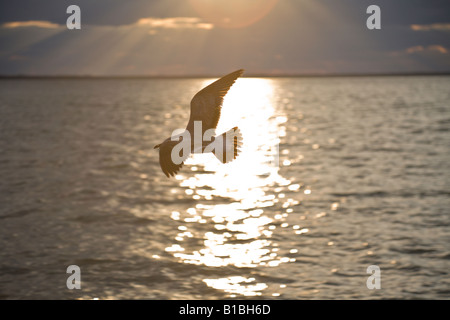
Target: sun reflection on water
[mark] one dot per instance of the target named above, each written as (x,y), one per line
(230,216)
(237,285)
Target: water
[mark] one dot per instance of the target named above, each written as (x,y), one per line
(362,179)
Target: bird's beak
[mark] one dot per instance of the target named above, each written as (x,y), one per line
(157,146)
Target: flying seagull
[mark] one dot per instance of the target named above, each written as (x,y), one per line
(206,107)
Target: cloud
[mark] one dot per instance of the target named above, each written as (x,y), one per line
(431,49)
(152,23)
(174,23)
(431,27)
(16,57)
(31,23)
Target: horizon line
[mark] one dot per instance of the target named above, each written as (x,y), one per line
(251,75)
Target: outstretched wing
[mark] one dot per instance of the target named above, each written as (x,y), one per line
(207,103)
(168,166)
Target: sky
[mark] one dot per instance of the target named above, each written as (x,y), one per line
(213,37)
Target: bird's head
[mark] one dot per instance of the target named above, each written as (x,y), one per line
(157,146)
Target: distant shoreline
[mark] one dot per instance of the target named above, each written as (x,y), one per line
(254,75)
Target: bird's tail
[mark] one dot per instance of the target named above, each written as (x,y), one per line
(227,145)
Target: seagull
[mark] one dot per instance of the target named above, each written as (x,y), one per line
(206,107)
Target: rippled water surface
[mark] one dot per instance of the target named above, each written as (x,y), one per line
(335,175)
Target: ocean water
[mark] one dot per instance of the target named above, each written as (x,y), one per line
(335,175)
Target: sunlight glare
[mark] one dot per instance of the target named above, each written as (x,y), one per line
(231,198)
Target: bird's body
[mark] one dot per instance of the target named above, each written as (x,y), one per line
(206,107)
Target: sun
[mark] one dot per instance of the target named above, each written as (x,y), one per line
(233,13)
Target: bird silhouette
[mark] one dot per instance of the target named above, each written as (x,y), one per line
(206,108)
